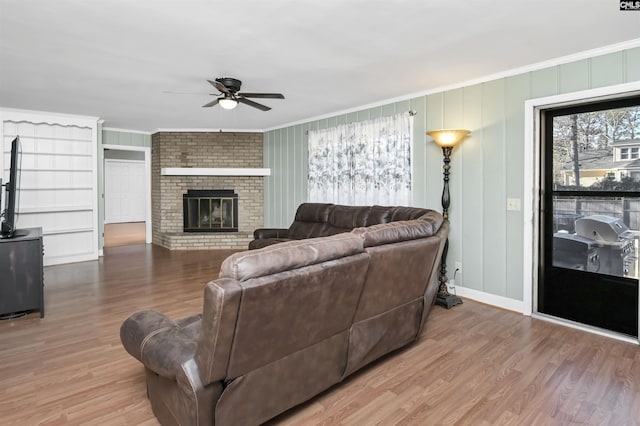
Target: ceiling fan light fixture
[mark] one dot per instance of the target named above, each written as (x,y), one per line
(228,103)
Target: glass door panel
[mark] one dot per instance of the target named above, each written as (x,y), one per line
(590,214)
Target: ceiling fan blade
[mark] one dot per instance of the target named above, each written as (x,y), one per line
(221,87)
(253,104)
(210,104)
(262,95)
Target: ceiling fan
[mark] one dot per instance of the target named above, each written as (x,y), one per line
(229,96)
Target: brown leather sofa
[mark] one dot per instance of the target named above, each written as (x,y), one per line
(285,322)
(321,220)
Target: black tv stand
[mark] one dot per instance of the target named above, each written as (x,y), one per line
(22,284)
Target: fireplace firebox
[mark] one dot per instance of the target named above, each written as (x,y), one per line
(210,210)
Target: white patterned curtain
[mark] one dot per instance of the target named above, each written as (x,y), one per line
(363,163)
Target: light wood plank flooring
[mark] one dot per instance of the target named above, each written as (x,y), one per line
(124,234)
(474,364)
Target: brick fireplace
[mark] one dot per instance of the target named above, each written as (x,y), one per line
(204,150)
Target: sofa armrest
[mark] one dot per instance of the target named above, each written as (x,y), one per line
(160,343)
(265,233)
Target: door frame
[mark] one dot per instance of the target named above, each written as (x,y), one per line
(533,191)
(147,180)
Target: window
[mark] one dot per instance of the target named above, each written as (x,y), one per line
(624,153)
(629,153)
(362,163)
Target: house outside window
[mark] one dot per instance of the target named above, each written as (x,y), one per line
(629,153)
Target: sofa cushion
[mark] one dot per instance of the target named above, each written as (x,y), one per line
(313,212)
(392,232)
(348,217)
(377,215)
(289,255)
(407,213)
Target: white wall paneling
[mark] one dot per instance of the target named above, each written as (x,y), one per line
(58,182)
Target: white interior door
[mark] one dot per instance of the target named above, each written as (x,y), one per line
(124,191)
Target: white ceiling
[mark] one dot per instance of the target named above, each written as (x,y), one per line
(117,59)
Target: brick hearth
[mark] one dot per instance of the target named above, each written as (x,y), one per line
(207,150)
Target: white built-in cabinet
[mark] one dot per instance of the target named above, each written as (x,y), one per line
(58,181)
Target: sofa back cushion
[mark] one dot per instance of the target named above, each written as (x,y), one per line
(289,255)
(426,226)
(323,219)
(348,217)
(311,221)
(407,213)
(291,295)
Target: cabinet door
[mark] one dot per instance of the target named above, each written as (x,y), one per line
(21,271)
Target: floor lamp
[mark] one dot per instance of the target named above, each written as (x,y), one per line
(446,139)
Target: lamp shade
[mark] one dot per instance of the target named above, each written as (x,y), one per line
(448,137)
(228,103)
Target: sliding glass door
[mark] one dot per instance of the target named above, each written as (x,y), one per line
(590,214)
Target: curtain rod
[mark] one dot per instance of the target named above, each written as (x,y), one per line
(411,112)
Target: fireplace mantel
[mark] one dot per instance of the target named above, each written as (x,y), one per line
(211,171)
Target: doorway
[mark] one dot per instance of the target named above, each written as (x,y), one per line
(589,214)
(127,195)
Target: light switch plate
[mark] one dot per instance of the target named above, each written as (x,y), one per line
(513,204)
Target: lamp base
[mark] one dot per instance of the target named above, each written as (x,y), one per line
(448,301)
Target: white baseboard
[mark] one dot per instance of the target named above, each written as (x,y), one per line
(491,299)
(60,260)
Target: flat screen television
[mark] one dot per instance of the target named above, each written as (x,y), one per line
(8,225)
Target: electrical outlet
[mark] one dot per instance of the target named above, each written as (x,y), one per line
(459,267)
(451,284)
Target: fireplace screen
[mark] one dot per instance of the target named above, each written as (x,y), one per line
(210,210)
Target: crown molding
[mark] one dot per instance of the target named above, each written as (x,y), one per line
(116,129)
(630,44)
(210,130)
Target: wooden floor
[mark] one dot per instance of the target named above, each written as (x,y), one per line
(124,234)
(474,364)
